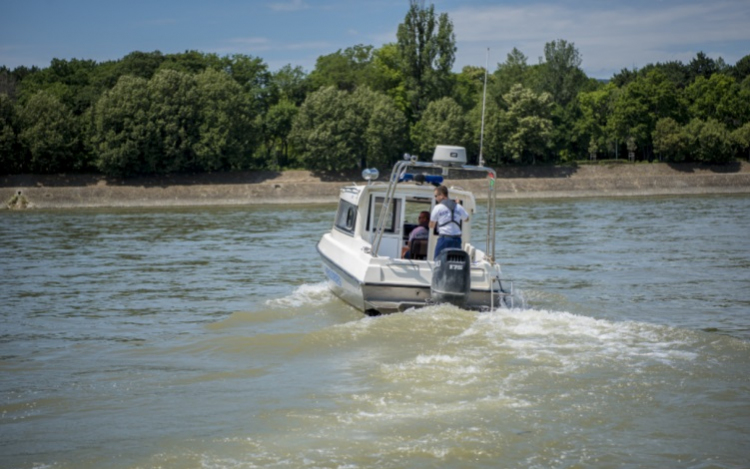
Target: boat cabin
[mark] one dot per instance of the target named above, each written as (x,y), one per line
(361,206)
(363,254)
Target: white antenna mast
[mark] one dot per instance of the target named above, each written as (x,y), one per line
(484,99)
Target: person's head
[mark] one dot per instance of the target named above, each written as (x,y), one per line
(424,218)
(441,193)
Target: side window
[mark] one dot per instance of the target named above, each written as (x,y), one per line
(393,215)
(346,217)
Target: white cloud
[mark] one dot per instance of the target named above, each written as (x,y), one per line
(256,45)
(608,38)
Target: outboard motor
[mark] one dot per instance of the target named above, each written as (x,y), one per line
(451,278)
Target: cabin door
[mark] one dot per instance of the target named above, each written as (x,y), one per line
(390,244)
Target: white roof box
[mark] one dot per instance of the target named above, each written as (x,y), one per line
(448,155)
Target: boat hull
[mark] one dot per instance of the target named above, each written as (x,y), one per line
(343,284)
(382,298)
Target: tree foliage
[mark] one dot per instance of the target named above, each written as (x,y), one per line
(386,134)
(343,69)
(514,71)
(720,98)
(152,113)
(443,122)
(741,139)
(640,104)
(276,127)
(226,129)
(709,141)
(670,140)
(527,126)
(596,108)
(173,122)
(122,134)
(427,50)
(49,133)
(9,139)
(562,76)
(337,130)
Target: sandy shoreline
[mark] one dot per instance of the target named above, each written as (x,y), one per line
(305,187)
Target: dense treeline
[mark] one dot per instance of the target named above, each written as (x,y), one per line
(154,113)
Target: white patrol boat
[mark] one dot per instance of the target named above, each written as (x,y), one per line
(363,253)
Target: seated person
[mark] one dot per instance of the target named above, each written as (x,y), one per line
(420,232)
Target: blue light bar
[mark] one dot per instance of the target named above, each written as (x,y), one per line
(433,179)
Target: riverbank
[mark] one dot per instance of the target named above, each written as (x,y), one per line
(305,187)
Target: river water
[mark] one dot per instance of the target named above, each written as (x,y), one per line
(182,338)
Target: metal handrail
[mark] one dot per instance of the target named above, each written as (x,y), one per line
(399,169)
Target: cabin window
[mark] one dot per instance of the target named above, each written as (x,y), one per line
(346,217)
(392,217)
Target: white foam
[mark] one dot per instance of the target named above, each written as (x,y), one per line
(429,359)
(305,295)
(572,340)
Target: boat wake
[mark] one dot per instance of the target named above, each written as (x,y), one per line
(457,384)
(316,294)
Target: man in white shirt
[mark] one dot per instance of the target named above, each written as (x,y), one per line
(447,216)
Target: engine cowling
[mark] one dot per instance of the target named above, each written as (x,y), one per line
(451,278)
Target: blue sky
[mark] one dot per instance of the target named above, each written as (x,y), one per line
(610,35)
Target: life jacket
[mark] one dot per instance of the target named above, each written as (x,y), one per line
(451,205)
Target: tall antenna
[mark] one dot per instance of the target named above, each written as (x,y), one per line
(484,99)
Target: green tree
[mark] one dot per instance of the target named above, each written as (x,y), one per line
(640,104)
(289,84)
(386,75)
(69,81)
(252,74)
(669,140)
(624,77)
(277,125)
(515,70)
(562,76)
(322,133)
(528,125)
(709,141)
(140,64)
(741,69)
(427,50)
(174,115)
(741,139)
(123,135)
(8,83)
(469,87)
(137,64)
(718,98)
(443,123)
(10,149)
(345,69)
(701,66)
(48,131)
(493,150)
(595,108)
(386,133)
(191,62)
(336,130)
(226,136)
(675,71)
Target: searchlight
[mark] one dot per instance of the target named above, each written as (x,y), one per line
(370,174)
